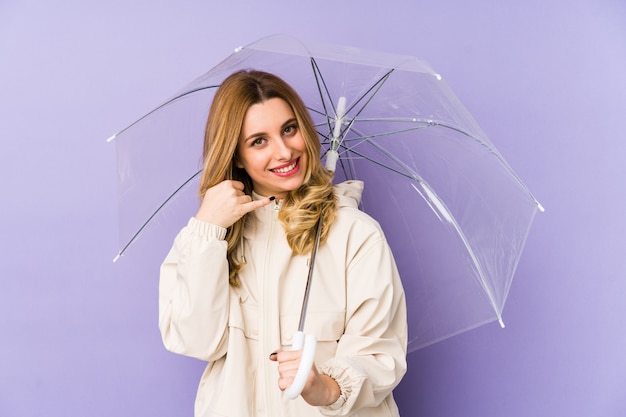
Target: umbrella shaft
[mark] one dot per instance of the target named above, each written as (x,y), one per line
(307,289)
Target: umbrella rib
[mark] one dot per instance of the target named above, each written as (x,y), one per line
(367,158)
(369,94)
(160,107)
(374,89)
(440,207)
(433,123)
(366,138)
(163,204)
(318,77)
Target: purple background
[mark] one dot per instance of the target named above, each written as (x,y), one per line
(545,80)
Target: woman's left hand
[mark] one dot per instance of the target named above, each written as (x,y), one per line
(319,389)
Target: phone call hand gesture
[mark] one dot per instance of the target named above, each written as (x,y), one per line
(225,203)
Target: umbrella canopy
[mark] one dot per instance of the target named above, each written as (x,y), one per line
(455,214)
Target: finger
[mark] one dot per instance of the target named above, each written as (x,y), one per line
(289,355)
(243,198)
(288,362)
(237,185)
(288,371)
(274,355)
(255,204)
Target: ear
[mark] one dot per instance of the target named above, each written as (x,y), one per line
(237,162)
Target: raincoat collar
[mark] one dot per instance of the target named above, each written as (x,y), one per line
(348,193)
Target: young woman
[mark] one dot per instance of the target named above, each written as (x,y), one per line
(232,286)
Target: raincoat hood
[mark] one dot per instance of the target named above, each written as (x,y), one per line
(349,193)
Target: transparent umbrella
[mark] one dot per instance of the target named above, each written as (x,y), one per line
(455,214)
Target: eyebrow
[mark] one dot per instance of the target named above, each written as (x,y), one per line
(258,134)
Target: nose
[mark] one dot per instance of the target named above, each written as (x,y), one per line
(282,151)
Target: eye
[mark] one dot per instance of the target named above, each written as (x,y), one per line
(290,130)
(257,141)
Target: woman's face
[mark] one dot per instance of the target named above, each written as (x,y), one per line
(271,148)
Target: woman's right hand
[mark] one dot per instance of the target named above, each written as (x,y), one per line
(225,203)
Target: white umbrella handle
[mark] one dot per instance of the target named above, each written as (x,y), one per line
(307,343)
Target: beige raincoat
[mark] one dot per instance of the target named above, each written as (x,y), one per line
(356,309)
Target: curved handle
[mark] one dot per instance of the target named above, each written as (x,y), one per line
(307,343)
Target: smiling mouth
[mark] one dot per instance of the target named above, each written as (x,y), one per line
(287,168)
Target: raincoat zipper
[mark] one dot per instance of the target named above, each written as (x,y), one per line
(270,315)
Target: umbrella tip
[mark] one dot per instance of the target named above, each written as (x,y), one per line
(501,322)
(112,138)
(541,209)
(117,257)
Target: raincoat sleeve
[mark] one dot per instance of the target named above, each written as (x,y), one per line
(370,359)
(194,292)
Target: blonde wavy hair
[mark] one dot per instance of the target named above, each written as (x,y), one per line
(302,208)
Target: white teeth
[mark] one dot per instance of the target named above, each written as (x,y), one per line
(285,169)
